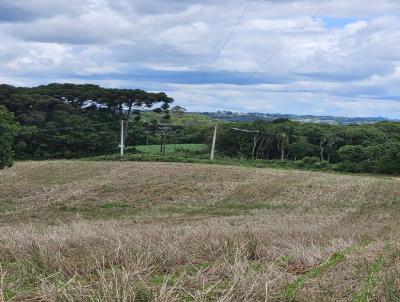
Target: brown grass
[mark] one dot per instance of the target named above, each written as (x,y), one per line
(110,231)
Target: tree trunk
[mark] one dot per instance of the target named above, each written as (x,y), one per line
(259,147)
(321,146)
(163,140)
(255,142)
(128,117)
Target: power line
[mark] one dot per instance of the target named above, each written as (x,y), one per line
(245,130)
(274,135)
(69,127)
(211,66)
(116,123)
(281,47)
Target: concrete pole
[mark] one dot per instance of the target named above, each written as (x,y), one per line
(121,146)
(213,143)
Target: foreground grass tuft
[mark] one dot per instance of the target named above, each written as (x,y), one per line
(292,289)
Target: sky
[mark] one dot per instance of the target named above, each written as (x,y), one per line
(338,57)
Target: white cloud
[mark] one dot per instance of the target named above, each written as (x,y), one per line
(286,25)
(347,64)
(354,28)
(181,35)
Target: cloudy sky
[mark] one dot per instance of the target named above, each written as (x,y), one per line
(338,57)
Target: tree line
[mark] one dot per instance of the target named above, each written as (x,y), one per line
(351,148)
(72,121)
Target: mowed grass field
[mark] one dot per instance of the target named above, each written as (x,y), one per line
(172,148)
(132,231)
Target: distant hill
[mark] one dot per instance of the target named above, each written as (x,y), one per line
(249,117)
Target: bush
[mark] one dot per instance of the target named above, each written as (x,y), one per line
(323,164)
(353,154)
(356,167)
(390,162)
(310,161)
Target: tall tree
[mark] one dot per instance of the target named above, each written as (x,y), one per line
(69,120)
(8,128)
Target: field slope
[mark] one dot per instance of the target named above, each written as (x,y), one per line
(134,231)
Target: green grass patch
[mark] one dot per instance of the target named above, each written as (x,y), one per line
(257,266)
(283,261)
(114,206)
(172,148)
(187,156)
(395,201)
(371,280)
(202,158)
(121,210)
(194,268)
(172,277)
(245,206)
(391,288)
(7,207)
(223,209)
(8,294)
(102,211)
(293,287)
(169,279)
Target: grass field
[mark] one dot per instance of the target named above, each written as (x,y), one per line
(172,148)
(137,231)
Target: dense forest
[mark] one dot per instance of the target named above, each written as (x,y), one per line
(74,121)
(71,121)
(351,148)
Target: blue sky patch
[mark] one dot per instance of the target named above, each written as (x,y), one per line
(338,22)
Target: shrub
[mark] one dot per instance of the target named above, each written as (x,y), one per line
(390,162)
(353,154)
(310,161)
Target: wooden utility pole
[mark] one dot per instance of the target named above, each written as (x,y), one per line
(213,143)
(121,146)
(163,139)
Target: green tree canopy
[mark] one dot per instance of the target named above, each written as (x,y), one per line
(8,128)
(69,120)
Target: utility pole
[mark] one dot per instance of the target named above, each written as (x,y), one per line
(121,146)
(213,143)
(164,141)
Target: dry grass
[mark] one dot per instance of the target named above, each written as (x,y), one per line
(104,231)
